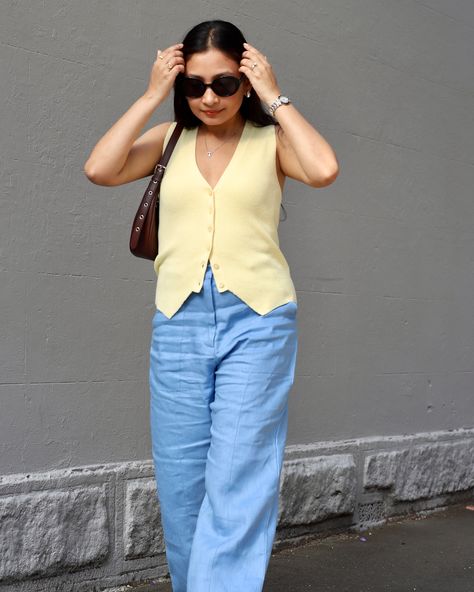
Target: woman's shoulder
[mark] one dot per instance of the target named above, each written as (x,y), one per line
(261,126)
(262,131)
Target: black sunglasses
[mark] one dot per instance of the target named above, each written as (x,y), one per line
(224,86)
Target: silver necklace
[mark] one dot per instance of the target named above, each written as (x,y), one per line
(211,152)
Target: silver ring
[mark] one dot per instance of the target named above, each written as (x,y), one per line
(254,65)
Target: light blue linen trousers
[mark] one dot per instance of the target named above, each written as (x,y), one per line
(220,375)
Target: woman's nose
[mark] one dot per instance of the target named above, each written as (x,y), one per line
(209,97)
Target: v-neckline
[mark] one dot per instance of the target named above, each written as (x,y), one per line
(232,158)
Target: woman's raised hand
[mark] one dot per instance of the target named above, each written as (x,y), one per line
(260,73)
(168,64)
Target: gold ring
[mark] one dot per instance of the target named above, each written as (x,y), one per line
(161,57)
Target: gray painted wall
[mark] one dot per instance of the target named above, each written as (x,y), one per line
(382,260)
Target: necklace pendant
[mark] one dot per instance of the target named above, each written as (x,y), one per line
(209,154)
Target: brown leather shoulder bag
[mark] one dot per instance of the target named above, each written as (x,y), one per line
(144,234)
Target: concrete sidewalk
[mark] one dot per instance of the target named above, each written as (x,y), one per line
(421,554)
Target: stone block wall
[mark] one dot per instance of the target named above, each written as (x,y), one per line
(89,528)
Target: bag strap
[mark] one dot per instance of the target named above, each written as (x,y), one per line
(169,148)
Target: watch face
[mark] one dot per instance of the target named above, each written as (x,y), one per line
(284,100)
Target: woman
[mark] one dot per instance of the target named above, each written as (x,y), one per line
(224,340)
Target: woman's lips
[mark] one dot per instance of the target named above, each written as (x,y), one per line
(211,112)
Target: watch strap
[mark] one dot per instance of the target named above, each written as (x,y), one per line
(277,103)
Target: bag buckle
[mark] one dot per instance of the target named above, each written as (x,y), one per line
(159,166)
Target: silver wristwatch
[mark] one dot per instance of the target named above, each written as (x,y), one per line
(281,100)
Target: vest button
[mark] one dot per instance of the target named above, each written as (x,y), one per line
(209,228)
(216,266)
(221,285)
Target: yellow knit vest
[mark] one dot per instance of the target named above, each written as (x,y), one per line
(234,226)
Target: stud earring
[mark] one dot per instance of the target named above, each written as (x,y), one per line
(247,94)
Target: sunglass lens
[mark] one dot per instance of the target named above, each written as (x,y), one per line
(226,86)
(193,87)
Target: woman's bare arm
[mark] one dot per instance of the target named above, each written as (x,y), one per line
(119,157)
(303,153)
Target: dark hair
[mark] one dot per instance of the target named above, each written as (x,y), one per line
(229,39)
